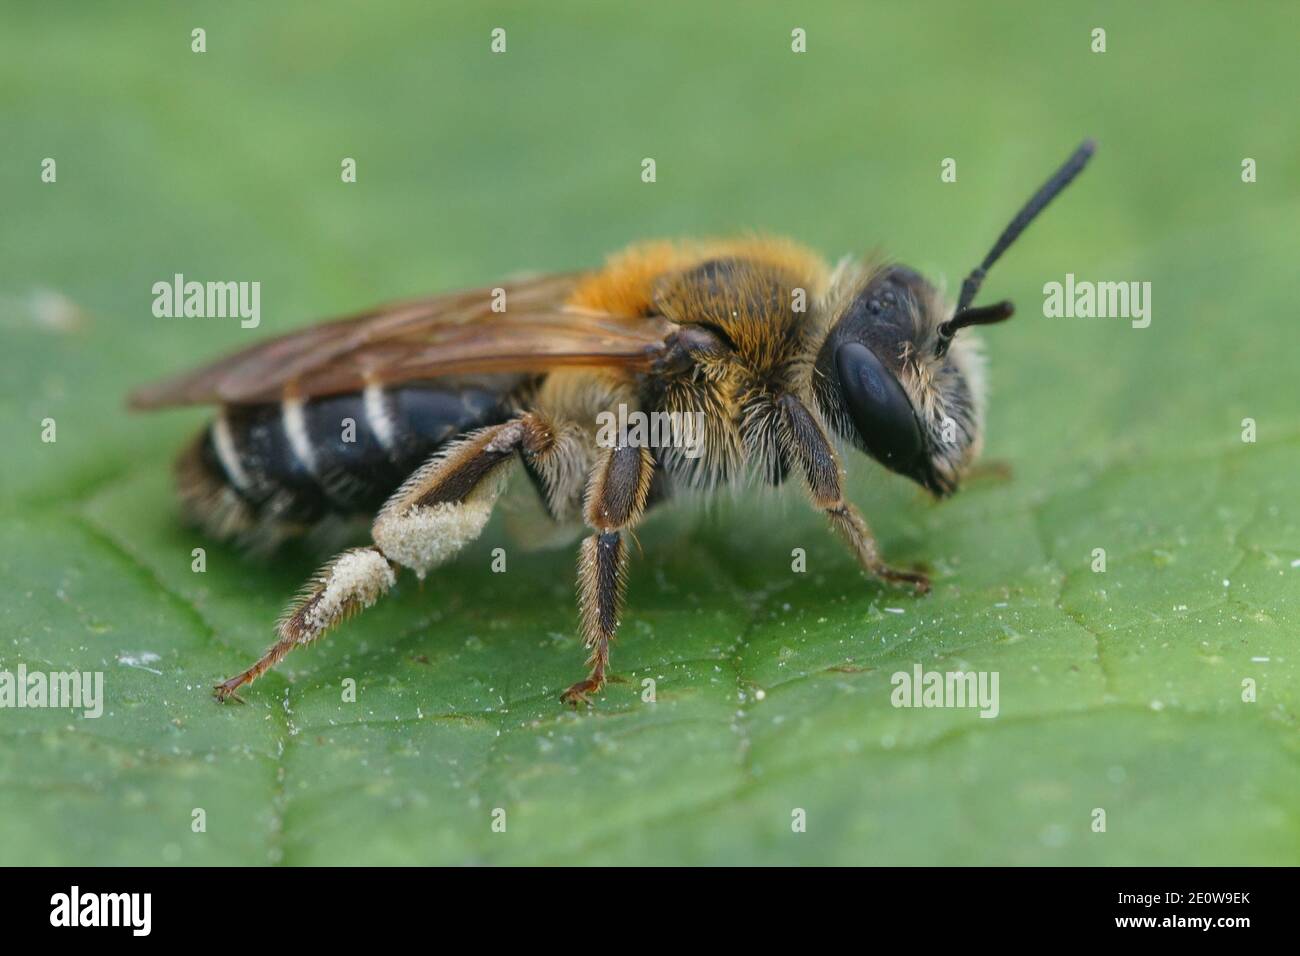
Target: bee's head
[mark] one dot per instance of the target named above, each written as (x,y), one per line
(893,375)
(884,384)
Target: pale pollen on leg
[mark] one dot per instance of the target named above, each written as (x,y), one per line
(354,580)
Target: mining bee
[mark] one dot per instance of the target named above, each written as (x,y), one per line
(446,394)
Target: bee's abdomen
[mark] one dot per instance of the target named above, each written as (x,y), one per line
(270,471)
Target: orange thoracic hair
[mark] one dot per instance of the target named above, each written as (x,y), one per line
(774,302)
(759,296)
(629,282)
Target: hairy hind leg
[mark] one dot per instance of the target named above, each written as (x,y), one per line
(438,510)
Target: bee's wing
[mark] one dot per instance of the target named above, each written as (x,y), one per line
(450,334)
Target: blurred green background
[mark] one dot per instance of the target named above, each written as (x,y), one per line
(1120,691)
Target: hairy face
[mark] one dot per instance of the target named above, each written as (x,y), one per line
(882,385)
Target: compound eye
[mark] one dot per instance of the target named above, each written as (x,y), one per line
(880,409)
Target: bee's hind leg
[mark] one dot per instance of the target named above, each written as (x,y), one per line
(438,510)
(616,498)
(352,581)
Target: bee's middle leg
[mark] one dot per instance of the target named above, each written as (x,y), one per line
(616,498)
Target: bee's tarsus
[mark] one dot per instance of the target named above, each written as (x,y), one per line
(580,692)
(919,581)
(226,690)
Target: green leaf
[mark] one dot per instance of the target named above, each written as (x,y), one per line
(1120,691)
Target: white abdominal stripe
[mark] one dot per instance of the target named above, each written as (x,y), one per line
(296,462)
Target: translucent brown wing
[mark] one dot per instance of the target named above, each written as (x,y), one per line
(445,335)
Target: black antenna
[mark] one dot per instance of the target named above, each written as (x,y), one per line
(965,315)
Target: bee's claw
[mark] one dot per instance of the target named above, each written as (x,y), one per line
(226,691)
(578,693)
(919,580)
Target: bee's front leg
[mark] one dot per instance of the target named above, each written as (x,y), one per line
(998,471)
(852,527)
(805,443)
(616,498)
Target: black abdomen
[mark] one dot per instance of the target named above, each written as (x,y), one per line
(289,465)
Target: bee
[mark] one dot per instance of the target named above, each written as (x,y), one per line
(785,361)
